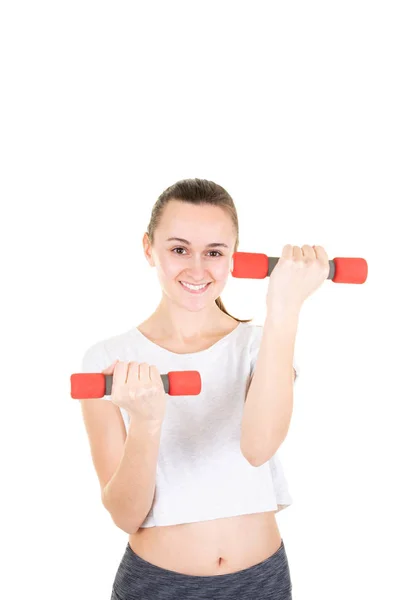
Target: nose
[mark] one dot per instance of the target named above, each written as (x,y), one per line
(196,271)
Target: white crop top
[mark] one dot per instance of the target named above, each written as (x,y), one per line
(201,473)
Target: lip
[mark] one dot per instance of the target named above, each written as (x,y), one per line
(201,291)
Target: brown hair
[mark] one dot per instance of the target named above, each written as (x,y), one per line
(196,191)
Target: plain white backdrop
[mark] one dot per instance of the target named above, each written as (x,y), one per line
(293,107)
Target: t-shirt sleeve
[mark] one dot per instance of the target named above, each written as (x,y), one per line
(95,360)
(254,349)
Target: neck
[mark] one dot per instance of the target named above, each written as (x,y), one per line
(181,325)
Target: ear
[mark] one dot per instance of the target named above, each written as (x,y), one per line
(147,249)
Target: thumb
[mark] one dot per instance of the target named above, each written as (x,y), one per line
(110,370)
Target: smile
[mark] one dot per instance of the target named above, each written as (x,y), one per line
(195,289)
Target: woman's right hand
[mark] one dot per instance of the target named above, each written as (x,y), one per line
(138,388)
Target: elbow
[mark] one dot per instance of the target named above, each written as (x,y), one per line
(257,462)
(128,528)
(254,462)
(244,454)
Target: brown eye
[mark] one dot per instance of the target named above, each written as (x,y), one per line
(180,248)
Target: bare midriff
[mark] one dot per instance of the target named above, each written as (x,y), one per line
(214,547)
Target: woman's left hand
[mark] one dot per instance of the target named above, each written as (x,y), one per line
(297,274)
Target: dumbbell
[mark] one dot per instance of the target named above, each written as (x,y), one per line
(97,385)
(255,265)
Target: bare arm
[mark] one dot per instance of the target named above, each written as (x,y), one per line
(269,402)
(129,494)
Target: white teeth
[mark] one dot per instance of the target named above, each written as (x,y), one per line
(194,287)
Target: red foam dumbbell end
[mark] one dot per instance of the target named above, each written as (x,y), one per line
(88,385)
(250,265)
(350,270)
(184,383)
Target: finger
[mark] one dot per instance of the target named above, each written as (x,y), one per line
(287,251)
(132,374)
(321,254)
(309,252)
(297,253)
(154,374)
(144,372)
(119,374)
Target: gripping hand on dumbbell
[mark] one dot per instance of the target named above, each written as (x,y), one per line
(138,388)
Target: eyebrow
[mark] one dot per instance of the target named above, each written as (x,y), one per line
(214,245)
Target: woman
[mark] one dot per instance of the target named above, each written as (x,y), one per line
(176,474)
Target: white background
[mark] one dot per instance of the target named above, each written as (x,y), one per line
(293,107)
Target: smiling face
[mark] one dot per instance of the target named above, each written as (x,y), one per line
(198,262)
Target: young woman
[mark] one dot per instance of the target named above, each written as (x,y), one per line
(176,473)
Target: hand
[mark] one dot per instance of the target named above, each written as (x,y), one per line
(138,388)
(297,274)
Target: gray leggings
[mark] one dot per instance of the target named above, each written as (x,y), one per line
(137,579)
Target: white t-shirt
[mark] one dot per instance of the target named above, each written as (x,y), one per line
(201,472)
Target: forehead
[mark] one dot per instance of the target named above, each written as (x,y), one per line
(193,221)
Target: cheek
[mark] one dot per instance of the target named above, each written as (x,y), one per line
(221,269)
(219,273)
(169,268)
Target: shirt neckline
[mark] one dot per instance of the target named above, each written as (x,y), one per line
(217,343)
